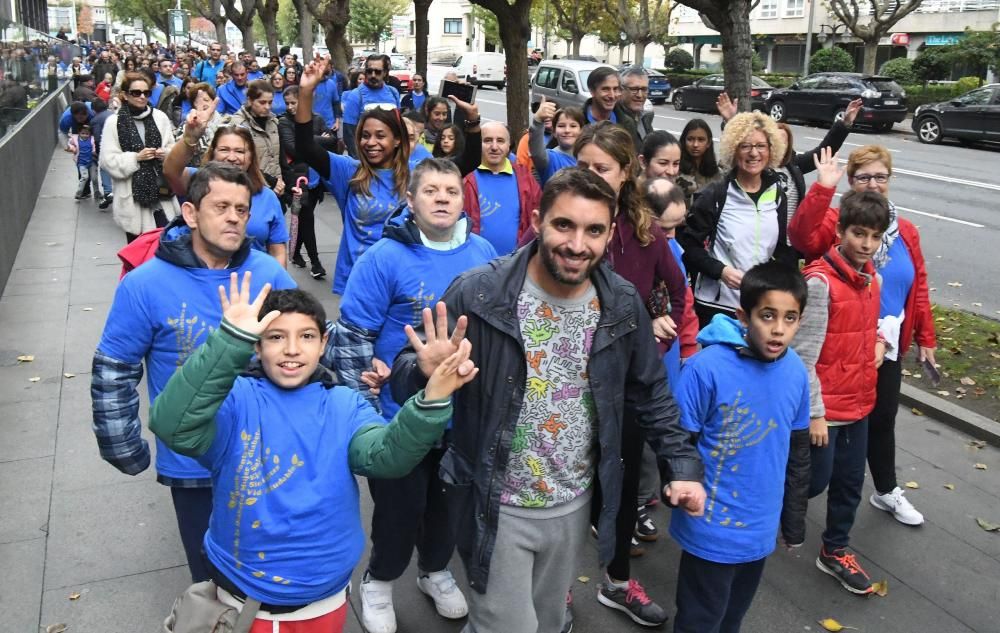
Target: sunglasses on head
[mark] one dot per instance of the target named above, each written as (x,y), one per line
(140,93)
(388,107)
(374,71)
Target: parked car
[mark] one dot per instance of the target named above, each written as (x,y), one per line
(563,81)
(823,97)
(482,69)
(659,85)
(974,116)
(702,94)
(401,71)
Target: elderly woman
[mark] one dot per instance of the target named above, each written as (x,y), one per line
(133,146)
(739,221)
(256,116)
(905,305)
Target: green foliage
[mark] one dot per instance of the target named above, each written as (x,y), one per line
(489,25)
(978,49)
(371,20)
(679,60)
(833,59)
(756,63)
(966,84)
(900,69)
(932,64)
(153,13)
(288,23)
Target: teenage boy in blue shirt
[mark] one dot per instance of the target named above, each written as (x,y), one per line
(283,444)
(745,398)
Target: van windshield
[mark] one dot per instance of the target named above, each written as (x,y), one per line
(583,80)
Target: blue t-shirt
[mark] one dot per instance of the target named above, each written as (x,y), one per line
(499,209)
(393,282)
(419,153)
(286,518)
(324,98)
(173,81)
(206,71)
(897,279)
(744,410)
(267,224)
(672,359)
(356,100)
(278,104)
(231,98)
(363,215)
(590,117)
(418,100)
(162,313)
(85,155)
(558,159)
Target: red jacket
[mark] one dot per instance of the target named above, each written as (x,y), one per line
(528,193)
(814,230)
(846,364)
(139,251)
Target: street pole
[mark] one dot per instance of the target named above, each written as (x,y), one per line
(809,36)
(545,32)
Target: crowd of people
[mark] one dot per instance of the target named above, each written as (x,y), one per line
(536,341)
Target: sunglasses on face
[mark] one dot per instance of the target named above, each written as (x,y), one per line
(378,72)
(140,93)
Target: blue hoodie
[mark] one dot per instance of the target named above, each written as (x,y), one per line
(744,411)
(395,280)
(164,309)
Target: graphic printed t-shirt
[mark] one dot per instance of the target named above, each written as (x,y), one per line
(551,458)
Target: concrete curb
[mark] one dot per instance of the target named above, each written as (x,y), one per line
(951,414)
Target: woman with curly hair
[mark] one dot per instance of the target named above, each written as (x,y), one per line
(639,252)
(739,221)
(367,189)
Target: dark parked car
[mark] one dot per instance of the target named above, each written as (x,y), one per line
(823,97)
(659,85)
(701,95)
(974,116)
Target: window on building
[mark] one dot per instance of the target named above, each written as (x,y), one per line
(453,26)
(794,8)
(768,9)
(413,28)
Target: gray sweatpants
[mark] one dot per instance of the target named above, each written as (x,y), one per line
(535,558)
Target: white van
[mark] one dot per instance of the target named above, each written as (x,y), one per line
(482,69)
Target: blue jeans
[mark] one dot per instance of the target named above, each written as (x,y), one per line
(840,466)
(105,182)
(714,597)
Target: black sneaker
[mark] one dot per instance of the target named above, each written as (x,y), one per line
(317,271)
(633,602)
(106,202)
(645,529)
(298,260)
(80,196)
(844,566)
(635,549)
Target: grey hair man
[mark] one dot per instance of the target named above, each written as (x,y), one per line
(635,91)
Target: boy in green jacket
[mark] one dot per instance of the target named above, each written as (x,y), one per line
(283,443)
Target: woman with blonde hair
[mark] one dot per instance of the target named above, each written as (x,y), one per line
(739,221)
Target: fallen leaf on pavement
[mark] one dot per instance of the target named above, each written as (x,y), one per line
(34,379)
(916,411)
(979,391)
(981,466)
(907,372)
(955,284)
(88,309)
(960,390)
(986,525)
(881,588)
(56,628)
(69,375)
(976,443)
(912,485)
(51,243)
(74,596)
(976,304)
(26,358)
(584,579)
(832,625)
(943,394)
(949,486)
(965,380)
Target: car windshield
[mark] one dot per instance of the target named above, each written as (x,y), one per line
(757,82)
(583,80)
(885,85)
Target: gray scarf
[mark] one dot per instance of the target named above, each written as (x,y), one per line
(881,257)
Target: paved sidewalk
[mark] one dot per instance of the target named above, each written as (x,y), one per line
(71,524)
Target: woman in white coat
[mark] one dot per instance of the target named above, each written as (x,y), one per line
(133,146)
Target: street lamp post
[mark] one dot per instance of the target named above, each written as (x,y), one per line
(809,36)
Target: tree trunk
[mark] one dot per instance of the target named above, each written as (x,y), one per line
(422,26)
(220,34)
(640,53)
(338,45)
(871,53)
(515,43)
(268,12)
(736,63)
(577,38)
(248,38)
(306,33)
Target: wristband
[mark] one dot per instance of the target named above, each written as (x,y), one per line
(184,138)
(473,123)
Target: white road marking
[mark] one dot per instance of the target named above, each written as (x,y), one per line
(813,138)
(936,216)
(481,100)
(957,181)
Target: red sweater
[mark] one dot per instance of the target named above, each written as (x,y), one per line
(813,231)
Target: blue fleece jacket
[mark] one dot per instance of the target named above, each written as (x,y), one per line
(744,411)
(231,98)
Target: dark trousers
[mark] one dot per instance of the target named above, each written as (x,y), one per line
(714,597)
(307,227)
(705,313)
(410,512)
(631,453)
(839,467)
(193,507)
(882,427)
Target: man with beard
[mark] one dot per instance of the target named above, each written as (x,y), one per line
(569,346)
(233,95)
(373,93)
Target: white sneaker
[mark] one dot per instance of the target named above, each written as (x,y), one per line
(899,505)
(448,598)
(377,613)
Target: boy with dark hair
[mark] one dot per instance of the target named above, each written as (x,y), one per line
(85,155)
(745,397)
(283,444)
(837,343)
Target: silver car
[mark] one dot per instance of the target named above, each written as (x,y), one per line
(563,81)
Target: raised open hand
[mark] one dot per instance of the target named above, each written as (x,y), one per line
(312,74)
(239,311)
(851,112)
(828,170)
(728,108)
(450,375)
(438,346)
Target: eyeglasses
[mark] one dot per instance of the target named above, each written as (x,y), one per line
(760,147)
(864,179)
(637,90)
(140,93)
(378,72)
